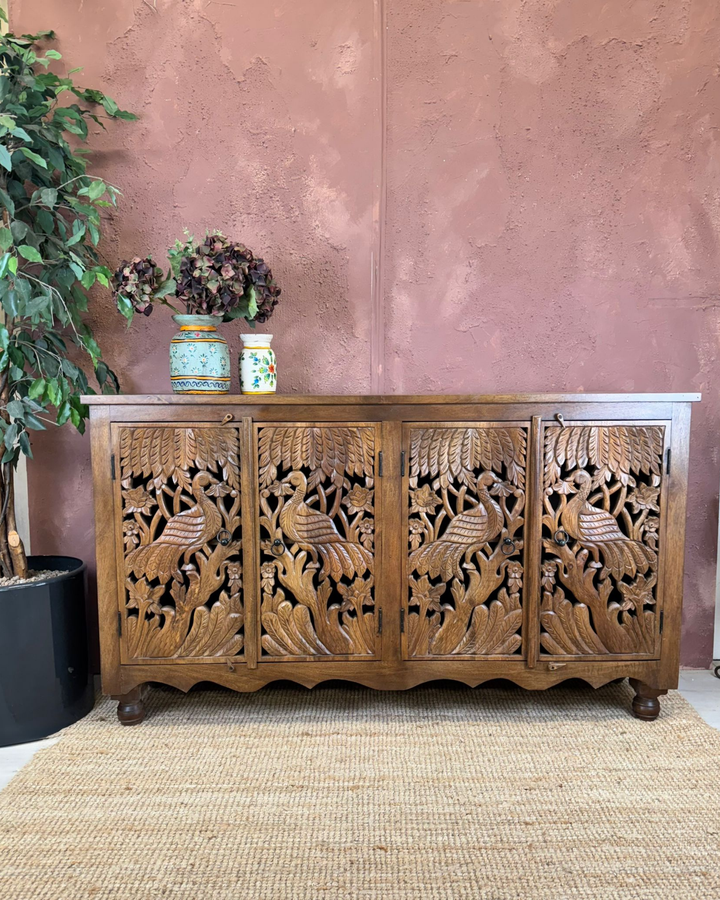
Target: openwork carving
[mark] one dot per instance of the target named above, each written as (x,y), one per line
(182,536)
(465,541)
(601,527)
(317,540)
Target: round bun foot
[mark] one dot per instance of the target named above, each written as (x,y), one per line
(131,709)
(645,705)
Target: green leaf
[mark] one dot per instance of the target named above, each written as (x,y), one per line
(6,239)
(13,264)
(63,413)
(5,158)
(88,279)
(7,202)
(53,391)
(33,422)
(125,307)
(38,160)
(167,287)
(48,196)
(25,445)
(29,253)
(102,278)
(77,237)
(53,54)
(37,388)
(10,435)
(96,190)
(45,221)
(4,264)
(4,337)
(16,409)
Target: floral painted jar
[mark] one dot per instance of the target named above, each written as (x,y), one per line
(258,371)
(199,357)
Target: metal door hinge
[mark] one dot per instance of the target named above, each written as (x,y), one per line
(119,624)
(380,464)
(402,621)
(379,631)
(112,466)
(668,457)
(662,620)
(402,463)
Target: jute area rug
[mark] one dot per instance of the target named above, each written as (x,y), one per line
(440,792)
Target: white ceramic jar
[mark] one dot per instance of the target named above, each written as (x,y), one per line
(258,370)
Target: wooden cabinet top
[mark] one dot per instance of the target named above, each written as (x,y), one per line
(375,400)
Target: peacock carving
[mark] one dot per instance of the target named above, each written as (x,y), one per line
(467,532)
(598,531)
(183,534)
(316,533)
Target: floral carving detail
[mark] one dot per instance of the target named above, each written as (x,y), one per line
(417,530)
(359,499)
(426,595)
(652,525)
(514,577)
(424,500)
(549,573)
(141,596)
(267,576)
(234,576)
(366,529)
(131,533)
(638,594)
(138,500)
(644,497)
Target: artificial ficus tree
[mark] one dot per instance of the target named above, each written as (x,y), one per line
(49,234)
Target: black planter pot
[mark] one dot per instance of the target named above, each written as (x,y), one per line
(44,678)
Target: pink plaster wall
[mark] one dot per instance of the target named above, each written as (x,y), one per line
(551,219)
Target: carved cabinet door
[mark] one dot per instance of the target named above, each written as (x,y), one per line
(603,522)
(180,572)
(464,498)
(318,504)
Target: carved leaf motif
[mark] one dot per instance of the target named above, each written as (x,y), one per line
(162,452)
(567,628)
(622,449)
(336,451)
(454,454)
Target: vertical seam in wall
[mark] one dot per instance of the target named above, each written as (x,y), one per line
(377,257)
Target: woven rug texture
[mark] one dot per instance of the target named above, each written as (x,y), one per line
(341,792)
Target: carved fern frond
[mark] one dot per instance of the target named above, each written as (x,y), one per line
(335,452)
(161,451)
(622,450)
(455,454)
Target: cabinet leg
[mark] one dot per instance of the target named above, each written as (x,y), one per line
(645,703)
(131,709)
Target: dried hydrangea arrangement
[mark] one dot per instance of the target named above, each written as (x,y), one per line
(218,278)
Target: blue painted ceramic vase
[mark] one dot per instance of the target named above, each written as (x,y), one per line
(199,357)
(258,369)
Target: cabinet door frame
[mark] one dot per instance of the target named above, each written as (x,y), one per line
(380,549)
(664,550)
(120,574)
(527,556)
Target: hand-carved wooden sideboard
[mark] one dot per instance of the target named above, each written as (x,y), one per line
(390,540)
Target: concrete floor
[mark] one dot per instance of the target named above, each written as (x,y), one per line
(698,686)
